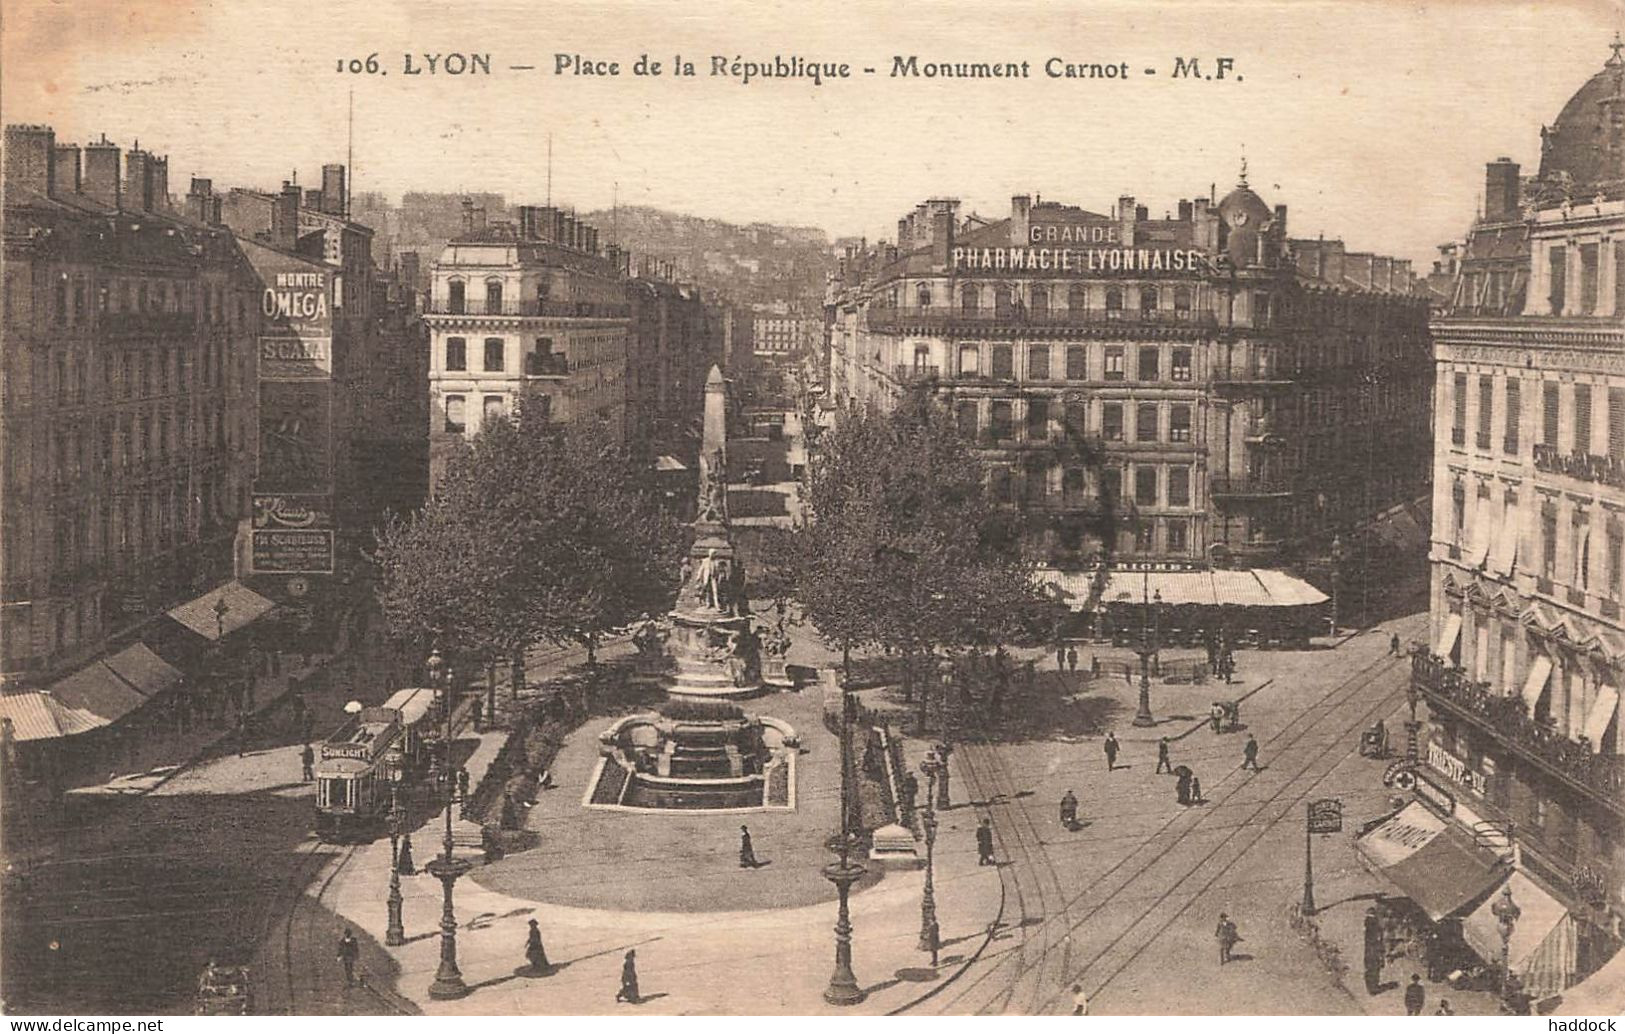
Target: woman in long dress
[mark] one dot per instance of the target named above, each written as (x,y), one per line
(535,953)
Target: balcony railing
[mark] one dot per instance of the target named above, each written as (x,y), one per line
(1586,466)
(936,316)
(1504,717)
(1249,486)
(520,307)
(914,372)
(548,364)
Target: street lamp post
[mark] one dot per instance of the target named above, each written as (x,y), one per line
(930,936)
(843,986)
(395,933)
(448,979)
(1506,913)
(1149,634)
(1337,577)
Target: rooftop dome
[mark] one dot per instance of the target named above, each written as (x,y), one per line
(1585,147)
(1243,216)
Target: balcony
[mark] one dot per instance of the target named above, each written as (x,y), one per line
(119,324)
(906,373)
(943,317)
(1602,776)
(1585,466)
(1249,487)
(547,364)
(518,307)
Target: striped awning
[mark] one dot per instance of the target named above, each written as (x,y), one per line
(39,716)
(1082,590)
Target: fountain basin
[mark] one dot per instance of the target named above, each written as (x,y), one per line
(695,756)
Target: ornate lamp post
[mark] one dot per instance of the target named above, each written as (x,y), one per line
(395,933)
(1150,632)
(448,979)
(843,986)
(1506,913)
(1337,576)
(930,936)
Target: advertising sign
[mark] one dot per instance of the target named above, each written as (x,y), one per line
(296,311)
(1326,816)
(1455,769)
(293,511)
(279,551)
(295,439)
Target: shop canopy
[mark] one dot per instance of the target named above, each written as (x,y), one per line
(1082,590)
(411,704)
(1447,635)
(1540,671)
(1601,714)
(39,716)
(204,616)
(147,672)
(1435,864)
(1600,994)
(1543,948)
(98,691)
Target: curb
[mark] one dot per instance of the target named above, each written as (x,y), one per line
(992,928)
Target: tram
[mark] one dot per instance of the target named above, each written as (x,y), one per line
(358,761)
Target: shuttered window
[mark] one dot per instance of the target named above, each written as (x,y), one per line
(1549,413)
(1513,414)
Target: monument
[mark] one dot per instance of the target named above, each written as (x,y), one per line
(714,644)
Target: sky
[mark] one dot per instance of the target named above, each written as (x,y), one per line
(1371,120)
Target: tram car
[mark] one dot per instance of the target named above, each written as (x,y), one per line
(358,761)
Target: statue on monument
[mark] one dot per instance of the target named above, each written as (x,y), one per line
(714,492)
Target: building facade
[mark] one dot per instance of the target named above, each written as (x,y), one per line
(1526,658)
(675,336)
(1178,391)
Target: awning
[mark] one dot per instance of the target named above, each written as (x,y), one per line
(412,704)
(1601,713)
(1447,637)
(1288,591)
(1504,556)
(668,463)
(243,605)
(1542,950)
(1539,671)
(1481,544)
(149,673)
(1436,865)
(95,689)
(1240,589)
(38,716)
(1600,994)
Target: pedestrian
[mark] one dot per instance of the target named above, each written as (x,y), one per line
(535,953)
(984,843)
(349,951)
(1393,644)
(1227,937)
(476,712)
(1080,1003)
(1373,951)
(1110,747)
(1249,753)
(1163,764)
(747,853)
(1444,1008)
(1060,657)
(1215,716)
(1416,996)
(307,759)
(1182,786)
(462,783)
(629,979)
(1072,659)
(1196,789)
(1069,810)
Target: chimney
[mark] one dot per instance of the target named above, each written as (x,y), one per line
(527,222)
(942,237)
(158,177)
(1501,189)
(468,216)
(1280,221)
(1184,211)
(313,199)
(101,179)
(1142,213)
(1125,220)
(335,190)
(200,200)
(1021,209)
(31,157)
(285,217)
(138,178)
(65,170)
(567,230)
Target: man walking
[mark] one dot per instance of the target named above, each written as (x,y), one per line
(1249,753)
(1227,937)
(349,951)
(1393,644)
(307,758)
(1416,996)
(1080,1003)
(1110,747)
(629,979)
(984,843)
(1072,659)
(747,853)
(1163,764)
(1060,657)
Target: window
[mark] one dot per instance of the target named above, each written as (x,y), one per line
(1580,527)
(1179,424)
(1111,421)
(1588,279)
(493,296)
(1514,393)
(1077,363)
(455,421)
(1003,363)
(1182,302)
(1548,540)
(1582,418)
(1616,557)
(966,417)
(922,296)
(1037,419)
(1458,512)
(1486,409)
(1040,296)
(999,484)
(1114,303)
(1145,422)
(1261,309)
(1150,361)
(1177,541)
(1549,413)
(1458,426)
(1558,258)
(494,409)
(1077,420)
(1114,362)
(59,300)
(456,354)
(1179,486)
(1148,302)
(1038,363)
(1145,484)
(969,361)
(1077,298)
(1003,420)
(454,296)
(970,298)
(1001,301)
(1182,365)
(1074,485)
(1616,423)
(1145,536)
(494,358)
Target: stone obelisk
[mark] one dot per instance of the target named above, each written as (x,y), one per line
(715,649)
